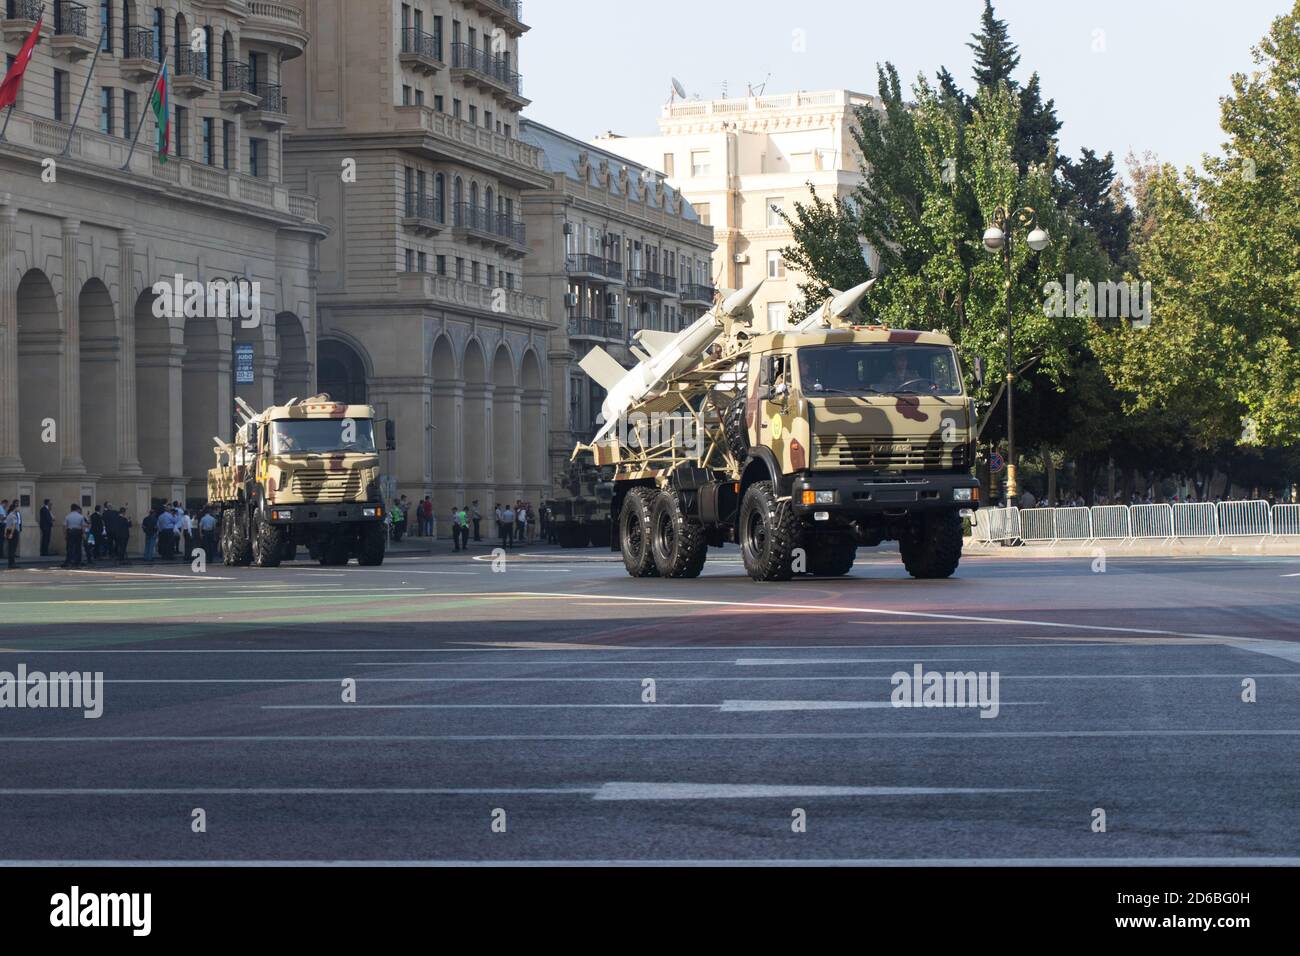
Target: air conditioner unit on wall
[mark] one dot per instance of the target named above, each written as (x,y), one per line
(568,228)
(571,300)
(741,258)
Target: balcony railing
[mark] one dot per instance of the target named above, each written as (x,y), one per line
(140,44)
(585,264)
(29,10)
(482,220)
(494,68)
(584,325)
(237,78)
(273,100)
(641,279)
(425,206)
(693,292)
(422,44)
(670,284)
(512,7)
(69,19)
(193,63)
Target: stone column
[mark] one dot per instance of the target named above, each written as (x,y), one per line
(448,447)
(10,460)
(507,444)
(476,442)
(70,393)
(533,448)
(206,405)
(128,449)
(402,400)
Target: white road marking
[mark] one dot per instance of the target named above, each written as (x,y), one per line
(574,706)
(752,706)
(1287,650)
(139,574)
(926,861)
(759,791)
(290,791)
(637,680)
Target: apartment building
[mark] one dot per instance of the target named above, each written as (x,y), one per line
(741,161)
(105,396)
(405,126)
(623,251)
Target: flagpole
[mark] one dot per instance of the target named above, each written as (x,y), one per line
(144,112)
(90,75)
(4,129)
(40,22)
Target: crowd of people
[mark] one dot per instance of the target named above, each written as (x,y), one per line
(516,523)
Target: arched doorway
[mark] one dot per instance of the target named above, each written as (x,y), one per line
(100,371)
(293,372)
(340,372)
(40,375)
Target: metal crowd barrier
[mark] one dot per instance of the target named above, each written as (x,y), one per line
(1186,519)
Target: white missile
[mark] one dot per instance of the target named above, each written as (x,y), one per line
(668,355)
(837,308)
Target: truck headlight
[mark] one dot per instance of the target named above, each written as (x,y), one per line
(370,512)
(810,497)
(961,494)
(281,515)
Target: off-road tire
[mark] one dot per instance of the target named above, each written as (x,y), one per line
(830,557)
(634,533)
(768,534)
(931,545)
(236,548)
(267,543)
(734,429)
(676,542)
(370,553)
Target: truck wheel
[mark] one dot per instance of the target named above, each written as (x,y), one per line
(676,542)
(237,549)
(634,528)
(267,543)
(598,534)
(931,545)
(831,556)
(734,429)
(767,534)
(372,546)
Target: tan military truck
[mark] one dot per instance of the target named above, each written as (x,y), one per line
(799,445)
(303,473)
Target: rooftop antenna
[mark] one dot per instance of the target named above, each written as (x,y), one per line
(758,90)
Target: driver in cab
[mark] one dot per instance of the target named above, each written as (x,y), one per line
(900,375)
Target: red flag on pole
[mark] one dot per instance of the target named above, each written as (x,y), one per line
(14,78)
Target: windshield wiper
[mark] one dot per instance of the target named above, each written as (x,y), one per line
(848,391)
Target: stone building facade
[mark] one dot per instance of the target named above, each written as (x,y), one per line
(104,396)
(406,127)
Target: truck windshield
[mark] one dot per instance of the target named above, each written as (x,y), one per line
(302,435)
(883,368)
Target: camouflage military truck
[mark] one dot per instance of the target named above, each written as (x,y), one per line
(800,445)
(578,514)
(304,473)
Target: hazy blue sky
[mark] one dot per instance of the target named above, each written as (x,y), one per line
(593,65)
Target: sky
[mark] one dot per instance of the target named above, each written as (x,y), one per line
(1140,75)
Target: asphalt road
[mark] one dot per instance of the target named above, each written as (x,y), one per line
(517,699)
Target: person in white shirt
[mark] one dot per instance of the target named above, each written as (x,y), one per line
(74,529)
(13,530)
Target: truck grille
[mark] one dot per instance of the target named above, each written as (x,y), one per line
(877,452)
(322,485)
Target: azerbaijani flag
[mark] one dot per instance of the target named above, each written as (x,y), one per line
(163,114)
(14,75)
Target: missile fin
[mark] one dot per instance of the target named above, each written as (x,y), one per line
(602,368)
(654,341)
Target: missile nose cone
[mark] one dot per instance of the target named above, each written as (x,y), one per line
(738,301)
(846,302)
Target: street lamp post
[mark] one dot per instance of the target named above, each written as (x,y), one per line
(997,238)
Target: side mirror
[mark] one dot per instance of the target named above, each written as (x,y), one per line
(390,435)
(979,370)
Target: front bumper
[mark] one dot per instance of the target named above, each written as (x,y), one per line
(360,512)
(857,493)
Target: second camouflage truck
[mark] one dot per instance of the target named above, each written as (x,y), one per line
(799,444)
(305,473)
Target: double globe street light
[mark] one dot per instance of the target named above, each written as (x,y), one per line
(997,239)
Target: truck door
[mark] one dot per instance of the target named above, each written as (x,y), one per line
(774,381)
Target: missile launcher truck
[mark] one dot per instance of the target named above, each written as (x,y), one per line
(303,473)
(799,444)
(578,515)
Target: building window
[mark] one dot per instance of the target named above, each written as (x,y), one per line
(487,119)
(473,114)
(442,265)
(419,97)
(437,102)
(209,141)
(455,108)
(228,145)
(702,210)
(406,95)
(775,264)
(668,164)
(507,131)
(460,268)
(700,162)
(491,276)
(510,280)
(775,204)
(207,53)
(422,262)
(128,113)
(182,132)
(776,315)
(257,158)
(410,260)
(60,95)
(159,21)
(106,24)
(473,272)
(106,115)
